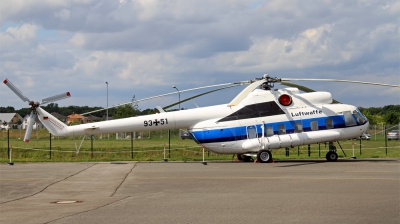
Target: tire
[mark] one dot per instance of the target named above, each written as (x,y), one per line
(331,156)
(264,156)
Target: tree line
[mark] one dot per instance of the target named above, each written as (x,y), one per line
(389,114)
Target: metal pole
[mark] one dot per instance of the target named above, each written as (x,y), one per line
(50,145)
(384,132)
(8,142)
(108,135)
(169,143)
(131,145)
(107,103)
(91,144)
(319,149)
(309,150)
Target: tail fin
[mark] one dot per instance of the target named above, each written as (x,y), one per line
(52,124)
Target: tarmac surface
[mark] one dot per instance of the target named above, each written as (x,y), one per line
(315,191)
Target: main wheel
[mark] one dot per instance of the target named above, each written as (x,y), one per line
(264,156)
(331,156)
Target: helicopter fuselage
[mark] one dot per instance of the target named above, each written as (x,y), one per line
(263,120)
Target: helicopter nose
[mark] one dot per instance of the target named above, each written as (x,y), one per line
(365,126)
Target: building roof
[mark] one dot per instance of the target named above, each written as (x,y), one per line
(75,116)
(94,118)
(59,116)
(7,117)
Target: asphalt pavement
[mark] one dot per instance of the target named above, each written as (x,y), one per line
(312,191)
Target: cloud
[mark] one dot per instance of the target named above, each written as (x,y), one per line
(19,38)
(146,46)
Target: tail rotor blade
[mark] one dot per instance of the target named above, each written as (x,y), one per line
(56,97)
(29,128)
(15,90)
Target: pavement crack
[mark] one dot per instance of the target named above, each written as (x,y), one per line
(116,189)
(16,199)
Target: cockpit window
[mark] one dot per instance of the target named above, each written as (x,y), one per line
(360,118)
(349,119)
(264,109)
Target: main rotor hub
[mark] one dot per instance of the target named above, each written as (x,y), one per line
(269,82)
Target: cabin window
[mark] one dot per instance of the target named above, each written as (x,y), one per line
(269,131)
(349,119)
(329,123)
(251,132)
(314,125)
(281,129)
(298,127)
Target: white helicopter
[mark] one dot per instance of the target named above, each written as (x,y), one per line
(254,123)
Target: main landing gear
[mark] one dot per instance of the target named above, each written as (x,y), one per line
(263,156)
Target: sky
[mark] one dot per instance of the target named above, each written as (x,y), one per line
(144,47)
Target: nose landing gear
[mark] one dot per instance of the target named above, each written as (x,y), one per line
(331,156)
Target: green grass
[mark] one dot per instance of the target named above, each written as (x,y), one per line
(152,149)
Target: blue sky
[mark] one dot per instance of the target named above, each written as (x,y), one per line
(143,48)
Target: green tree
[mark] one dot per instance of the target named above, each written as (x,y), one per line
(127,110)
(7,109)
(392,118)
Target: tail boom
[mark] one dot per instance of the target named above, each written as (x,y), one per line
(162,121)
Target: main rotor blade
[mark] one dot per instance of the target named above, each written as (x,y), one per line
(338,80)
(300,87)
(166,94)
(15,90)
(303,88)
(29,127)
(202,94)
(56,97)
(246,92)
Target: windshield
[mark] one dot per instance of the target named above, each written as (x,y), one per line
(361,119)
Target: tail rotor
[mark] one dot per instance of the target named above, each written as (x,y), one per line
(33,105)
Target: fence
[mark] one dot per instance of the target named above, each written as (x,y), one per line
(149,146)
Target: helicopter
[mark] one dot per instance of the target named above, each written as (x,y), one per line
(258,120)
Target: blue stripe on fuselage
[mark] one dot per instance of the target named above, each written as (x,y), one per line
(240,133)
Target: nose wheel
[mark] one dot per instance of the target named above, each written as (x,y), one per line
(332,156)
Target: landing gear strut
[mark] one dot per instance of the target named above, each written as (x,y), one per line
(264,156)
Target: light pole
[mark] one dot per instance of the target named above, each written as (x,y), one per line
(179,96)
(107,102)
(108,135)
